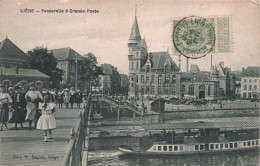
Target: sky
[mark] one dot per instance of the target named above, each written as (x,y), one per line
(106,33)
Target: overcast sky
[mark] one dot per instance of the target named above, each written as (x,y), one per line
(106,33)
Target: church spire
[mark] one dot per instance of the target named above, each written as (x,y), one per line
(135,33)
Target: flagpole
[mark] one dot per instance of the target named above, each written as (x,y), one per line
(76,79)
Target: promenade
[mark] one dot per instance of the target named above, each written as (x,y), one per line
(26,147)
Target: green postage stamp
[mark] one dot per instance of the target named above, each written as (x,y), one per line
(195,37)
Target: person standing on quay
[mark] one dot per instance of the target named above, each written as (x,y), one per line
(19,106)
(66,96)
(5,101)
(60,98)
(78,98)
(33,98)
(47,121)
(72,96)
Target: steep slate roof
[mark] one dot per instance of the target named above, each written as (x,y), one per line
(135,34)
(23,72)
(194,68)
(11,53)
(200,76)
(159,58)
(251,71)
(107,69)
(66,54)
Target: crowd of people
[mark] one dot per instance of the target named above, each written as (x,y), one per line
(34,106)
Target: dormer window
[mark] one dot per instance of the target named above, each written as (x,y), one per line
(147,68)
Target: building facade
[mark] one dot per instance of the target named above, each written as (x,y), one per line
(68,59)
(250,83)
(14,69)
(153,73)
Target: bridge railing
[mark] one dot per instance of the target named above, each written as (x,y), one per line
(76,146)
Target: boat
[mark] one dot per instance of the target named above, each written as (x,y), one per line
(194,138)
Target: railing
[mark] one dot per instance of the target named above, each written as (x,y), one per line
(74,153)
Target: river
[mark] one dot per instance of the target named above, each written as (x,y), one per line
(113,157)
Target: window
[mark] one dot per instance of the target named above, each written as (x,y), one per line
(191,90)
(132,78)
(250,80)
(147,90)
(148,79)
(245,80)
(253,143)
(159,90)
(244,143)
(230,145)
(255,80)
(209,90)
(142,78)
(221,146)
(173,78)
(160,78)
(167,89)
(249,95)
(136,77)
(132,65)
(183,88)
(153,78)
(250,87)
(256,142)
(201,147)
(226,145)
(147,68)
(196,147)
(132,84)
(159,148)
(216,146)
(248,143)
(175,148)
(137,64)
(164,148)
(181,148)
(245,87)
(167,68)
(244,95)
(255,88)
(235,145)
(142,89)
(211,146)
(167,78)
(152,90)
(170,148)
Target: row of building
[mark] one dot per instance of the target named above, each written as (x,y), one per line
(155,73)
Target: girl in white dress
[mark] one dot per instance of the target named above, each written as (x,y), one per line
(47,121)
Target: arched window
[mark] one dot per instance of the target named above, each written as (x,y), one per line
(191,90)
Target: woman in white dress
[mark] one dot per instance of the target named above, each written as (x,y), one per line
(33,98)
(5,101)
(47,121)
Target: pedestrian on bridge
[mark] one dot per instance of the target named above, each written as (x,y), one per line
(47,121)
(5,102)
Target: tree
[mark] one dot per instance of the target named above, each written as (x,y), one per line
(88,70)
(44,61)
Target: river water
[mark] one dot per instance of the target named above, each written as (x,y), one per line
(113,157)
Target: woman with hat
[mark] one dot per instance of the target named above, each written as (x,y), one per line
(66,96)
(19,106)
(5,101)
(33,98)
(72,96)
(78,98)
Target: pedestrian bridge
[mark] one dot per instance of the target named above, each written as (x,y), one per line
(118,104)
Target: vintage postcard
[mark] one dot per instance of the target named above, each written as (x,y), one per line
(133,82)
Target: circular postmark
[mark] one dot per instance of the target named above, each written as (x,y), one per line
(194,37)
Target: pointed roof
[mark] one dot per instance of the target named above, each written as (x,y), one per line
(135,33)
(252,71)
(9,52)
(66,54)
(194,68)
(158,60)
(200,76)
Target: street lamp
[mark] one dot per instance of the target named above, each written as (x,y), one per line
(76,79)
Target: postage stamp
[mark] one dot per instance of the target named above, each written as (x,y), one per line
(195,37)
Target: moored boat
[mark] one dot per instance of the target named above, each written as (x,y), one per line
(195,138)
